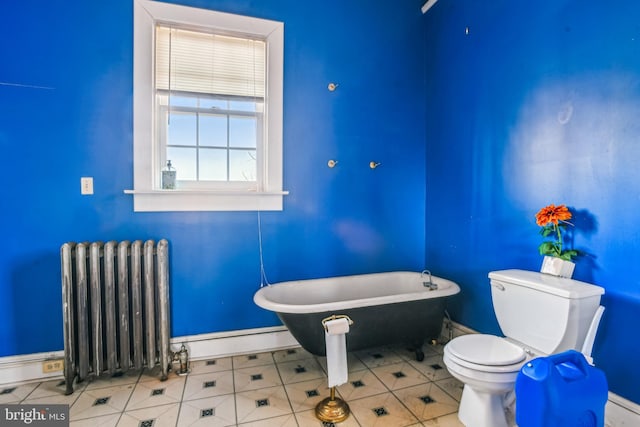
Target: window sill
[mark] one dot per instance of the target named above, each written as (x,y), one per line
(205,200)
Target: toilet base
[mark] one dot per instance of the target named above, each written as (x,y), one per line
(481,409)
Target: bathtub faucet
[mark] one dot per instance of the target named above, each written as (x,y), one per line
(428,283)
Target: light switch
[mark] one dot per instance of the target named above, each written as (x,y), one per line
(86,185)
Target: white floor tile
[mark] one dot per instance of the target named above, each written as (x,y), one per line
(282,421)
(15,393)
(103,421)
(208,385)
(255,405)
(306,395)
(427,401)
(382,410)
(256,377)
(432,367)
(248,360)
(155,393)
(157,416)
(102,401)
(399,375)
(291,354)
(300,370)
(211,365)
(361,384)
(218,411)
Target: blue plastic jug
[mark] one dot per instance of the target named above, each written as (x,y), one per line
(561,390)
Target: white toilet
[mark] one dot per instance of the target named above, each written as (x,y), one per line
(539,315)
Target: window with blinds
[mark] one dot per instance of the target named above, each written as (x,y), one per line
(207,97)
(210,100)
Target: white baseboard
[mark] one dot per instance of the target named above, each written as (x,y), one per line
(28,368)
(621,412)
(209,346)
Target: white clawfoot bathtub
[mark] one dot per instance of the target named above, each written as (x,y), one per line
(387,308)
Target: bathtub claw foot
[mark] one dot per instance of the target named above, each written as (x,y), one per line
(419,355)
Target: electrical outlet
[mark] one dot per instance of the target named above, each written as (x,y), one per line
(52,365)
(86,185)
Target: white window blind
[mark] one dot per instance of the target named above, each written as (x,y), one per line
(200,62)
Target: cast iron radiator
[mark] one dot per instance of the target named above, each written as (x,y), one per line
(115,303)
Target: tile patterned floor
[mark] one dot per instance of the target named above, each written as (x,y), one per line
(387,387)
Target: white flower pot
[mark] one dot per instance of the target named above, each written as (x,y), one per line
(557,267)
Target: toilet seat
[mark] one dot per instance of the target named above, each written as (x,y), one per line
(487,353)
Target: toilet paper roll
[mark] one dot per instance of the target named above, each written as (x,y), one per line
(337,326)
(336,346)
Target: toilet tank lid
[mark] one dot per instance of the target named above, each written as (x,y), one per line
(567,288)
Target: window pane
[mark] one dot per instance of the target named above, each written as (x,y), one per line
(242,165)
(213,165)
(182,129)
(213,103)
(184,161)
(242,105)
(213,130)
(183,101)
(242,132)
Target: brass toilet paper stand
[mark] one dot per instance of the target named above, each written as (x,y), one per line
(333,409)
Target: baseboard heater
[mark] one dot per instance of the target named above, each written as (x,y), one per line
(115,308)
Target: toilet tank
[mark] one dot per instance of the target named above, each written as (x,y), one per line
(547,314)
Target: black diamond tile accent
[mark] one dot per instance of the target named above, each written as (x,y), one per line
(427,399)
(207,412)
(101,401)
(157,392)
(262,402)
(146,423)
(312,393)
(256,377)
(208,384)
(380,411)
(328,424)
(252,357)
(399,374)
(291,351)
(377,356)
(301,369)
(357,383)
(210,362)
(8,390)
(436,367)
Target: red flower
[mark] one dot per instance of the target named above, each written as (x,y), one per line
(552,214)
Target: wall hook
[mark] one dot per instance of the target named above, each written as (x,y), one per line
(332,86)
(373,165)
(332,163)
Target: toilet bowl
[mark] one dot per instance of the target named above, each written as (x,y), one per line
(539,315)
(488,366)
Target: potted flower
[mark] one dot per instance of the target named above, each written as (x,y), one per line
(557,260)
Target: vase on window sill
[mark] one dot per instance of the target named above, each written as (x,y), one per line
(557,267)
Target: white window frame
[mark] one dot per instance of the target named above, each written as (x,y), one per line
(146,194)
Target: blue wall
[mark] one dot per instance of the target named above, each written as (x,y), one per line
(537,104)
(78,122)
